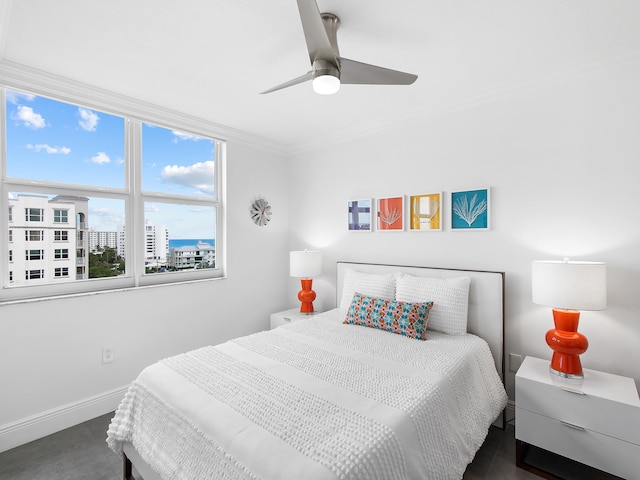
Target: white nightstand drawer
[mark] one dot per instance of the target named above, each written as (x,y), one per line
(609,403)
(594,413)
(585,446)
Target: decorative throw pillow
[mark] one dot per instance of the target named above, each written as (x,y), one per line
(450,297)
(404,318)
(372,284)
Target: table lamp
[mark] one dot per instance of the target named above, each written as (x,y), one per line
(305,264)
(568,287)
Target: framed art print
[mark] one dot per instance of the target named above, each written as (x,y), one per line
(390,214)
(470,210)
(425,212)
(359,219)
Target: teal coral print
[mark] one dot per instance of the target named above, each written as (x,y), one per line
(470,209)
(403,318)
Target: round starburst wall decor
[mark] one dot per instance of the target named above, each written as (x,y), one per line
(261,212)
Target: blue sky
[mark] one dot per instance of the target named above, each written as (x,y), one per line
(55,141)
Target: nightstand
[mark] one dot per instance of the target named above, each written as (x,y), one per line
(288,316)
(597,425)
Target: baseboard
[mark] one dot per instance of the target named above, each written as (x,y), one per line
(42,424)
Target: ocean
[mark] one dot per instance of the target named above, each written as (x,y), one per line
(183,242)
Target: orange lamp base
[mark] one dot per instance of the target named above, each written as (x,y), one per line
(567,343)
(306,296)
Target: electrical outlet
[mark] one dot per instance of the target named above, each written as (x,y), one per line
(515,361)
(107,355)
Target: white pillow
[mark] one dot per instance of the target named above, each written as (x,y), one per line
(450,297)
(369,284)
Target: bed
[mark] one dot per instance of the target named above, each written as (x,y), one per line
(347,394)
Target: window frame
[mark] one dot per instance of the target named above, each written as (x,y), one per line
(135,114)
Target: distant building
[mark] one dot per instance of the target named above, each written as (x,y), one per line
(48,239)
(102,239)
(156,245)
(201,255)
(120,241)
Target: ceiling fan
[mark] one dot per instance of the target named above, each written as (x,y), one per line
(328,68)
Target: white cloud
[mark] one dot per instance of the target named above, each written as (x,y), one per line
(29,118)
(100,158)
(88,119)
(199,175)
(184,136)
(14,96)
(49,149)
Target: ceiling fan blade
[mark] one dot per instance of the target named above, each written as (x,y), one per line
(352,72)
(315,34)
(303,78)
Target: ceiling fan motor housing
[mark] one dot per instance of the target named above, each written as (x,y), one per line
(325,67)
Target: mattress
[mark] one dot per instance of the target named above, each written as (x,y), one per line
(316,399)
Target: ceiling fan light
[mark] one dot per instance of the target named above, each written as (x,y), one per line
(326,84)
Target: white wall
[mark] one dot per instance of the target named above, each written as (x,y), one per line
(51,371)
(562,159)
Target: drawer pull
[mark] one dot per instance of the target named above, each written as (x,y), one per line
(286,319)
(571,425)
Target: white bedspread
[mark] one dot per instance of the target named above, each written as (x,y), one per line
(316,399)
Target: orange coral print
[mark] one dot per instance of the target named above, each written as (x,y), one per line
(390,213)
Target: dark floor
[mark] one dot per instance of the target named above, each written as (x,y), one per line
(81,453)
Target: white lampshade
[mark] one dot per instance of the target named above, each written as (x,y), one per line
(569,285)
(305,264)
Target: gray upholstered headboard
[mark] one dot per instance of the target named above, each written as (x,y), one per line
(486,299)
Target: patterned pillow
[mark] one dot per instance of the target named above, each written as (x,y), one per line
(403,318)
(450,297)
(373,284)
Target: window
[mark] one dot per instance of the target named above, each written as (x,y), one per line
(186,185)
(34,274)
(34,254)
(90,172)
(60,216)
(61,235)
(33,214)
(61,253)
(61,272)
(33,235)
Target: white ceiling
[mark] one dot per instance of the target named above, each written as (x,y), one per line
(211,58)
